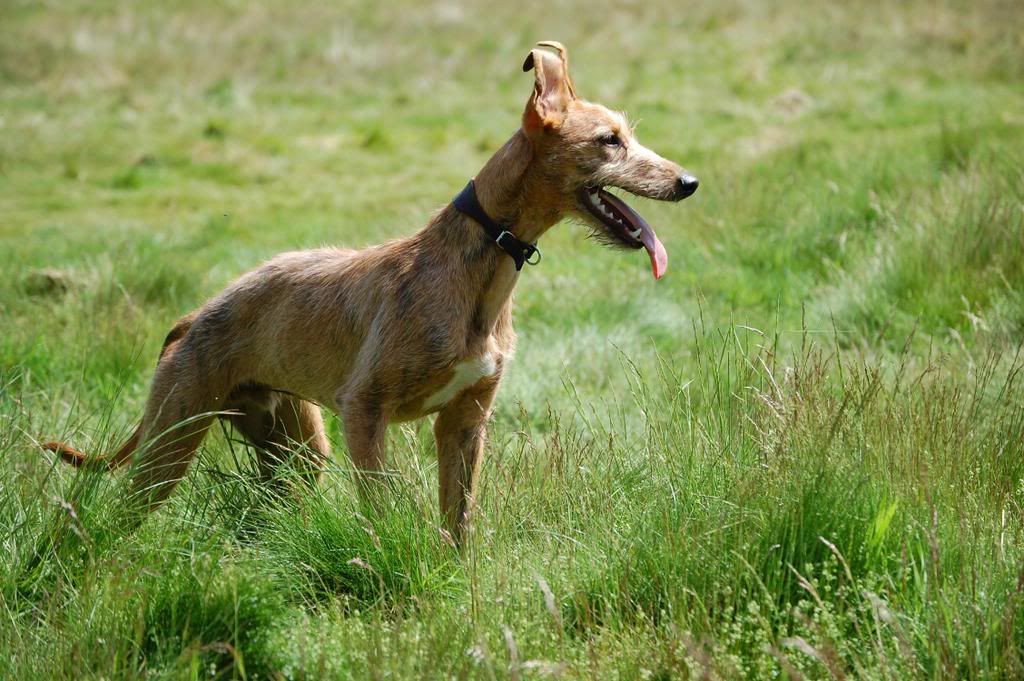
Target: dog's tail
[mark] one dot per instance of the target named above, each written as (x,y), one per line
(79,460)
(124,454)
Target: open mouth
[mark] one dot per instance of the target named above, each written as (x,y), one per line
(624,226)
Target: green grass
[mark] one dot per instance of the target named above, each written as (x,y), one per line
(800,455)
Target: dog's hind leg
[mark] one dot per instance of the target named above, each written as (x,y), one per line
(286,431)
(297,439)
(177,417)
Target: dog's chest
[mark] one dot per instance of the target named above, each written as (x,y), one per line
(465,374)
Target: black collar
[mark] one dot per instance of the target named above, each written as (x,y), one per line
(467,204)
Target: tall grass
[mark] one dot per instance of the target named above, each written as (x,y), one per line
(818,515)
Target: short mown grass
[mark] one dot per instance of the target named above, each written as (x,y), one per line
(800,455)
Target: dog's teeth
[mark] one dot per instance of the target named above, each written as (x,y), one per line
(610,213)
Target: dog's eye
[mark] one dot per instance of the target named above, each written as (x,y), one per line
(611,140)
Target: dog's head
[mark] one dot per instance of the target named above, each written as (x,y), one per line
(582,148)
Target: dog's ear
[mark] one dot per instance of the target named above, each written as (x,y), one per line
(552,88)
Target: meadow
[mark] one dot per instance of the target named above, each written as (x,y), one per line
(800,455)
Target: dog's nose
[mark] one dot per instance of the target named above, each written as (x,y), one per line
(685,185)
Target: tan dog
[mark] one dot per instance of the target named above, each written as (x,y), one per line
(401,330)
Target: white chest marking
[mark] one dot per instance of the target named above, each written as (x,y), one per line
(467,372)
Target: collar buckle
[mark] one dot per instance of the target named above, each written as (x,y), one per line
(520,251)
(511,237)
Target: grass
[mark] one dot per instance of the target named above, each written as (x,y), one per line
(801,455)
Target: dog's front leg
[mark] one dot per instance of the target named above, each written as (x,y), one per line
(460,430)
(365,424)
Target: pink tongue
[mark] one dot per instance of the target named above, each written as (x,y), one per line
(659,257)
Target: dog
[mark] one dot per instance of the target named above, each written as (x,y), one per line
(395,332)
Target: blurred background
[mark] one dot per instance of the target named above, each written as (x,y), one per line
(859,161)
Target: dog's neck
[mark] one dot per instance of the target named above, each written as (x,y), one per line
(512,191)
